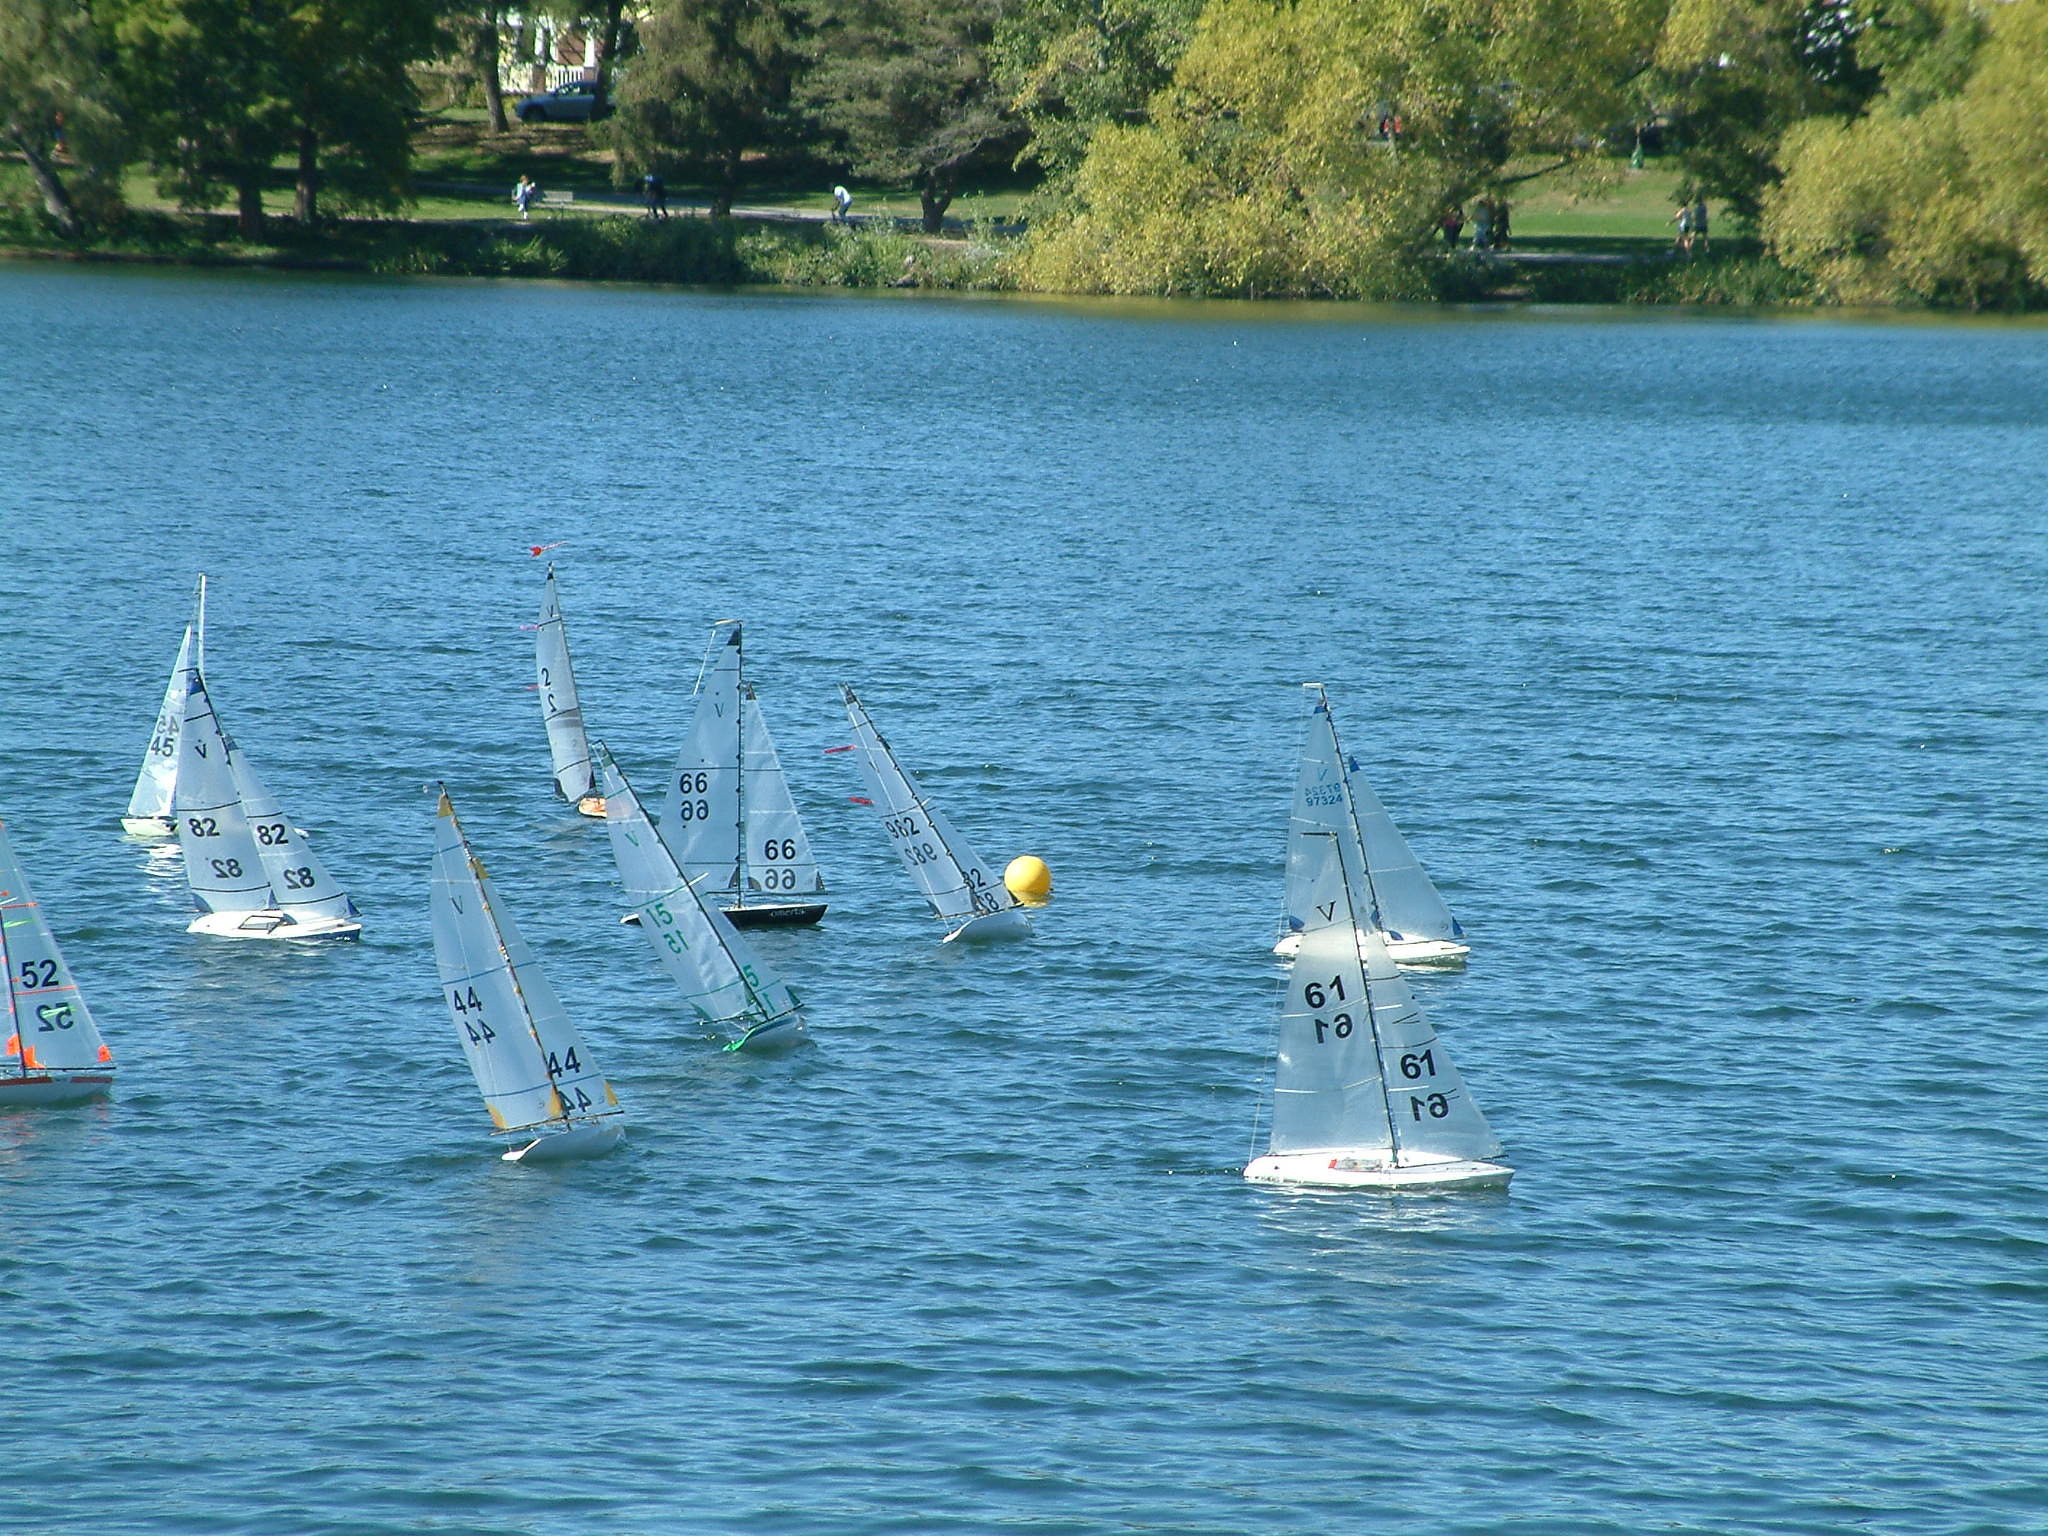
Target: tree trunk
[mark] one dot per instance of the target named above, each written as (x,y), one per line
(486,44)
(56,201)
(308,207)
(607,45)
(728,185)
(249,205)
(936,199)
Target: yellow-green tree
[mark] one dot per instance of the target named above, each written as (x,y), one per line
(1263,169)
(1936,198)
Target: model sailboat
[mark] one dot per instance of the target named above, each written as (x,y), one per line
(149,807)
(534,1070)
(563,716)
(720,976)
(252,873)
(1331,797)
(1364,1095)
(53,1053)
(730,818)
(953,879)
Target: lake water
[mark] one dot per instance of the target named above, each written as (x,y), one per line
(1704,661)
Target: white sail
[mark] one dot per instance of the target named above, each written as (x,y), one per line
(222,863)
(720,976)
(1332,796)
(49,1028)
(703,820)
(155,784)
(558,705)
(300,886)
(778,854)
(1361,1075)
(533,1068)
(952,877)
(730,818)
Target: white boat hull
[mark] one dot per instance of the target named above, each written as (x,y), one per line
(783,1034)
(149,826)
(1006,924)
(272,924)
(1335,1168)
(55,1088)
(1413,954)
(592,1139)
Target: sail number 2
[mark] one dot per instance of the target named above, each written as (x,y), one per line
(469,1013)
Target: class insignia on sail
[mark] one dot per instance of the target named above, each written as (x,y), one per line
(53,1053)
(1332,797)
(963,895)
(533,1067)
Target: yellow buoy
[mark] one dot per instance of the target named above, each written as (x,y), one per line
(1029,880)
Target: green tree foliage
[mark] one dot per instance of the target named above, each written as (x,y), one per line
(55,91)
(222,88)
(1262,170)
(906,86)
(712,83)
(1070,66)
(1939,198)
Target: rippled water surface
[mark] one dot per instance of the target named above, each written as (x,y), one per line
(1704,662)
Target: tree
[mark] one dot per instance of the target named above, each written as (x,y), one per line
(1070,66)
(223,87)
(1931,196)
(1263,168)
(713,82)
(54,89)
(906,86)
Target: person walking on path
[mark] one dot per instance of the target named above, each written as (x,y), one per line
(841,201)
(1452,224)
(655,190)
(1500,224)
(1699,224)
(1482,224)
(524,194)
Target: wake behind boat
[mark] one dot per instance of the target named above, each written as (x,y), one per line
(53,1052)
(531,1064)
(1331,797)
(730,818)
(1364,1093)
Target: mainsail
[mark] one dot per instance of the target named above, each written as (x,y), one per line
(533,1068)
(223,864)
(1331,796)
(1360,1072)
(156,783)
(52,1043)
(559,709)
(720,976)
(730,817)
(951,875)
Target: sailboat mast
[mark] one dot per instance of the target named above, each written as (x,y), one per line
(1350,813)
(199,639)
(13,1009)
(1372,1023)
(739,771)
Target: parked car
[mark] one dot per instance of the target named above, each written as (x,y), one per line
(575,102)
